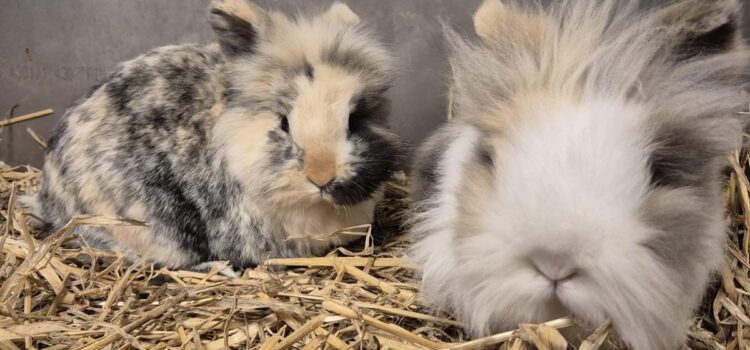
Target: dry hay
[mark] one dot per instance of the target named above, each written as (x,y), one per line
(56,297)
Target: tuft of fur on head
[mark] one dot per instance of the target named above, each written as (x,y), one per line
(304,127)
(577,49)
(581,171)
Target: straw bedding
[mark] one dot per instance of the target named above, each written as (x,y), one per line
(360,297)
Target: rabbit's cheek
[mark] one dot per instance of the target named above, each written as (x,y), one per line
(284,153)
(370,163)
(290,188)
(346,158)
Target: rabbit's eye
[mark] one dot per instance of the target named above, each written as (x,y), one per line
(486,157)
(284,124)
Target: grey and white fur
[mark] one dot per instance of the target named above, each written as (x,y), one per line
(233,151)
(581,171)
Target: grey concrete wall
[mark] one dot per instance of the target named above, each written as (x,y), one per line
(52,51)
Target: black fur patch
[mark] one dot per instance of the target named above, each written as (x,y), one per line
(682,158)
(713,42)
(236,36)
(183,79)
(380,157)
(174,206)
(370,106)
(124,88)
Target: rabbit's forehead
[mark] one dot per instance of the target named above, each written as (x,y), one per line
(320,112)
(315,45)
(600,146)
(554,172)
(326,93)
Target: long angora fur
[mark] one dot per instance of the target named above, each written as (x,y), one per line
(581,171)
(233,151)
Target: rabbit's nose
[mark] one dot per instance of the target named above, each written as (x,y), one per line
(556,268)
(320,169)
(321,183)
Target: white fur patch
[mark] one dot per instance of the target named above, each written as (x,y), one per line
(561,162)
(435,252)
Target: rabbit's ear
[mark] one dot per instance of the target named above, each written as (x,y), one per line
(703,28)
(239,25)
(340,12)
(496,22)
(488,17)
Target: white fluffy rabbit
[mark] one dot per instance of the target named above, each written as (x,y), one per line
(581,171)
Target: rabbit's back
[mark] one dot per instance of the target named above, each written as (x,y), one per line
(139,146)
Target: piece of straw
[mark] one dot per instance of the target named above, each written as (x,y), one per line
(26,117)
(505,336)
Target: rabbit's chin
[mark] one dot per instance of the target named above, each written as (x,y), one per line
(319,219)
